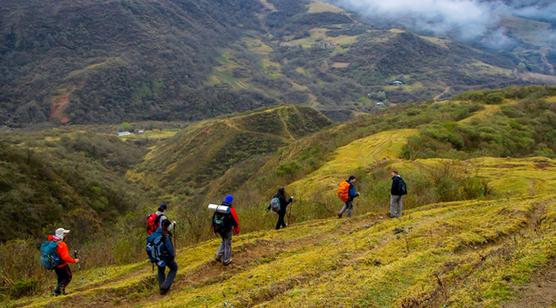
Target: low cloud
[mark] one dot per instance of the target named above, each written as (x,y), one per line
(468,20)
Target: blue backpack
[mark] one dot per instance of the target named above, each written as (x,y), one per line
(49,255)
(156,249)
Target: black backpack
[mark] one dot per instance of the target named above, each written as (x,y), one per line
(221,223)
(403,187)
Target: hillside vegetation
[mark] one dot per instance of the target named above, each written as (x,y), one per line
(68,62)
(479,229)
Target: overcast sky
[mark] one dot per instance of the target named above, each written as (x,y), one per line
(464,19)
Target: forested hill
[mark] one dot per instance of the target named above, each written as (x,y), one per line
(101,61)
(108,61)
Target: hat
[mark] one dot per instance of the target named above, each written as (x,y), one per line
(229,199)
(61,232)
(163,206)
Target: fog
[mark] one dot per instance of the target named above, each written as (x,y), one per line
(468,20)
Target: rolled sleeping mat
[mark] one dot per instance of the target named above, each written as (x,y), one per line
(219,208)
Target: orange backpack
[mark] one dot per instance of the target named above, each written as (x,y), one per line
(343,191)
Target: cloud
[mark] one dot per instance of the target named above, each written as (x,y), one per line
(468,20)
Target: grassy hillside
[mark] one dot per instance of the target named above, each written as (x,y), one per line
(478,230)
(470,253)
(64,176)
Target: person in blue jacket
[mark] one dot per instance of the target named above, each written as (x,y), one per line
(348,206)
(169,256)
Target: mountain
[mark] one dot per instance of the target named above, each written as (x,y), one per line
(104,61)
(110,61)
(479,227)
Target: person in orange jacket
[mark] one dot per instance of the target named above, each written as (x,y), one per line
(63,270)
(226,225)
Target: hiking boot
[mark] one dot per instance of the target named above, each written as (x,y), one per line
(227,262)
(56,292)
(218,259)
(163,291)
(339,215)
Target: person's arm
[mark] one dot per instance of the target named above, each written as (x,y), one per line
(353,192)
(169,246)
(63,253)
(236,221)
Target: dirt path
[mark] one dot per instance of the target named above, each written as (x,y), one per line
(540,292)
(446,91)
(246,256)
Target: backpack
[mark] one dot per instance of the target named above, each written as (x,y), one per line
(343,191)
(221,222)
(403,187)
(156,249)
(153,222)
(275,204)
(49,255)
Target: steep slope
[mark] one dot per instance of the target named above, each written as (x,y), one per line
(105,61)
(69,62)
(64,177)
(191,164)
(464,254)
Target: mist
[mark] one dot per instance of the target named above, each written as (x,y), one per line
(467,20)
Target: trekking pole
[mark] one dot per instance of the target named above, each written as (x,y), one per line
(76,256)
(175,228)
(290,213)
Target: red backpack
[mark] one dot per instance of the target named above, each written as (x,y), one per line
(153,221)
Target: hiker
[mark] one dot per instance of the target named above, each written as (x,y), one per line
(279,204)
(225,225)
(154,220)
(398,190)
(161,251)
(347,192)
(63,258)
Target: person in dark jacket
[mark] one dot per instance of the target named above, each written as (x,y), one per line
(352,194)
(284,202)
(165,281)
(229,228)
(397,192)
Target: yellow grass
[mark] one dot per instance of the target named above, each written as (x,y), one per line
(319,7)
(359,154)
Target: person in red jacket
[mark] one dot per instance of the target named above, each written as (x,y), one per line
(228,226)
(63,270)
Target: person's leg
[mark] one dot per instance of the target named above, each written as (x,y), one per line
(64,278)
(173,266)
(69,276)
(220,250)
(349,208)
(60,279)
(342,211)
(161,276)
(397,206)
(279,222)
(227,259)
(392,206)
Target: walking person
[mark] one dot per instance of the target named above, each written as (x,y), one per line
(167,256)
(279,204)
(347,192)
(226,225)
(63,259)
(155,219)
(398,190)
